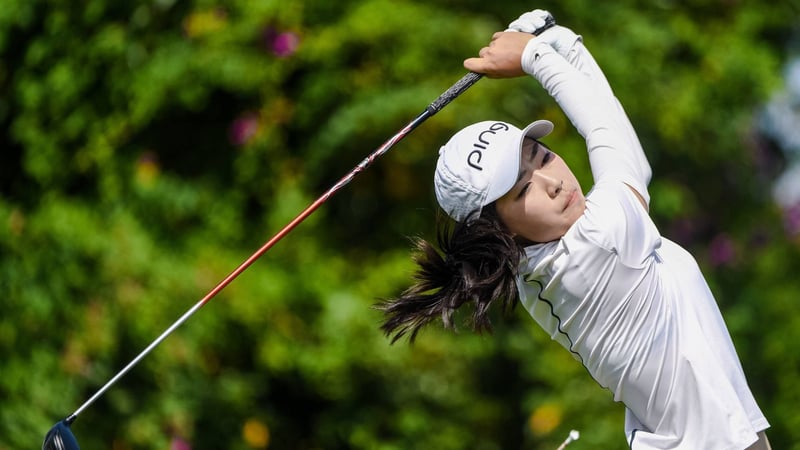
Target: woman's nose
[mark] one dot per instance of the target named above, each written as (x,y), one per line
(553,186)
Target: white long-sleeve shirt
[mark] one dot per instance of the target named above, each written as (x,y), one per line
(631,305)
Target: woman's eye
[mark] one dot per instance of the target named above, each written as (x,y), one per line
(523,190)
(548,156)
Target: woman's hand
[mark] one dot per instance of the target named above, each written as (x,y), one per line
(502,58)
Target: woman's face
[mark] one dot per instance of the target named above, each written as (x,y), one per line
(546,199)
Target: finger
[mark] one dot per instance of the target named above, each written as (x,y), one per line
(477,65)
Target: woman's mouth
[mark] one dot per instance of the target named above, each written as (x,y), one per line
(572,196)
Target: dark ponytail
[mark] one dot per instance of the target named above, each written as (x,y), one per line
(478,264)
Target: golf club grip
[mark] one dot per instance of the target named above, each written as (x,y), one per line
(455,90)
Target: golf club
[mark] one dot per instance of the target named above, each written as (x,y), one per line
(574,435)
(60,436)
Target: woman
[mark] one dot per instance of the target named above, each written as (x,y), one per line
(593,270)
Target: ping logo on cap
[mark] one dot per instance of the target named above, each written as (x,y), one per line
(474,157)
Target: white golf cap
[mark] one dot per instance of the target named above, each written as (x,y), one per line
(480,164)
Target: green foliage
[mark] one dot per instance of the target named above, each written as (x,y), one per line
(149,147)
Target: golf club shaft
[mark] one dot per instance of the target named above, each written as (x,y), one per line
(454,91)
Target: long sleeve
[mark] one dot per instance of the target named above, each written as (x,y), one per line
(559,61)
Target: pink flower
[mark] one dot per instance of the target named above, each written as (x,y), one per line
(281,43)
(722,250)
(179,444)
(243,129)
(791,220)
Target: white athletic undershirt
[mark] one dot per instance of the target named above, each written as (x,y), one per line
(632,305)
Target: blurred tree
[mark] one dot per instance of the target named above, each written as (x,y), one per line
(148,147)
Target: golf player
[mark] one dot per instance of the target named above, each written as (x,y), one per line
(590,267)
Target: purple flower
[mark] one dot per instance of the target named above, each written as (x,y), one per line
(243,129)
(722,250)
(179,444)
(281,43)
(791,220)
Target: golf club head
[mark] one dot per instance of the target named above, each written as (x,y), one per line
(60,437)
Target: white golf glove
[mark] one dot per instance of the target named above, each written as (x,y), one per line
(530,22)
(560,38)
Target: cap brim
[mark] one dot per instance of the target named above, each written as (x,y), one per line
(537,130)
(506,175)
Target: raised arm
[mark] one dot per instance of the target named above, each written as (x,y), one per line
(565,68)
